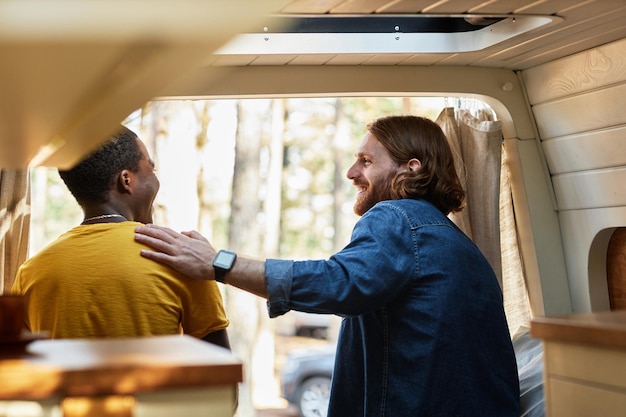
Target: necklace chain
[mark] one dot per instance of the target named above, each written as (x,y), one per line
(104,216)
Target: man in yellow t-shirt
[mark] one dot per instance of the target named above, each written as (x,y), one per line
(91,282)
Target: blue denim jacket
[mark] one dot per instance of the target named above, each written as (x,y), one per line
(424,331)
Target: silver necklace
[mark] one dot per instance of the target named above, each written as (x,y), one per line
(104,216)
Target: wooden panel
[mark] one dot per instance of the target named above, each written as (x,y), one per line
(194,402)
(586,151)
(388,59)
(308,6)
(348,59)
(501,6)
(586,363)
(591,189)
(77,367)
(545,7)
(594,110)
(544,44)
(273,59)
(602,330)
(586,24)
(405,6)
(424,59)
(452,6)
(359,6)
(313,59)
(593,69)
(616,269)
(575,41)
(570,399)
(438,6)
(233,60)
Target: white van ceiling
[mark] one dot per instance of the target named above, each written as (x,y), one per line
(72,72)
(577,25)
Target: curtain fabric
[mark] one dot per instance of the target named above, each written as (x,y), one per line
(14,224)
(488,218)
(516,303)
(478,144)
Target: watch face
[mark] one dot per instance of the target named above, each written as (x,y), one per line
(224,259)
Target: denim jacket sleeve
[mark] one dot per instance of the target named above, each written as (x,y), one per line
(378,264)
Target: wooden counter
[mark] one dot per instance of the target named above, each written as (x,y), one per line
(584,363)
(181,369)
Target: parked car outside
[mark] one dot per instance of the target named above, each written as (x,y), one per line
(297,323)
(307,372)
(305,379)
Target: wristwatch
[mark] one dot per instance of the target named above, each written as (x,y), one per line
(223,262)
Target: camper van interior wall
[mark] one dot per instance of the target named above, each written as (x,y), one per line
(222,92)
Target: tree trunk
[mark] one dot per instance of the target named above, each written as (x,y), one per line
(251,337)
(274,180)
(340,145)
(205,201)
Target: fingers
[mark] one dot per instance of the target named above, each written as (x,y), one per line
(184,252)
(157,238)
(159,232)
(159,257)
(154,243)
(169,242)
(195,235)
(155,256)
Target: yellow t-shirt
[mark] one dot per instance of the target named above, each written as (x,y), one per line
(92,282)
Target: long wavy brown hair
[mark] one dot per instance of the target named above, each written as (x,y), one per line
(408,137)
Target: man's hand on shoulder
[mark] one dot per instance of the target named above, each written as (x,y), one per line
(189,253)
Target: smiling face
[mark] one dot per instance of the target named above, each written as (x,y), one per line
(372,173)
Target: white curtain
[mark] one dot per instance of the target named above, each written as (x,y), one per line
(488,218)
(14,224)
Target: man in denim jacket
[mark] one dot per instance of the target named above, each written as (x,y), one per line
(424,330)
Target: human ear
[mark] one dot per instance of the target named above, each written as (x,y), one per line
(124,180)
(414,164)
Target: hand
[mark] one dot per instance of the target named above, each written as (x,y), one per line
(189,253)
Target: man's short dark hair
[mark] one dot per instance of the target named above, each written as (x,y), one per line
(92,178)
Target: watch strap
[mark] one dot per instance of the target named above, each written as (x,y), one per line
(220,274)
(222,263)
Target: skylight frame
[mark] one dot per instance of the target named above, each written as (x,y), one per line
(283,41)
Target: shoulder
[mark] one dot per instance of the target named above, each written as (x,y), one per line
(415,212)
(408,204)
(50,251)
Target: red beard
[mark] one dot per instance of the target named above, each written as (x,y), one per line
(378,191)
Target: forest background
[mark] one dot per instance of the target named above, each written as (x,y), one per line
(263,177)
